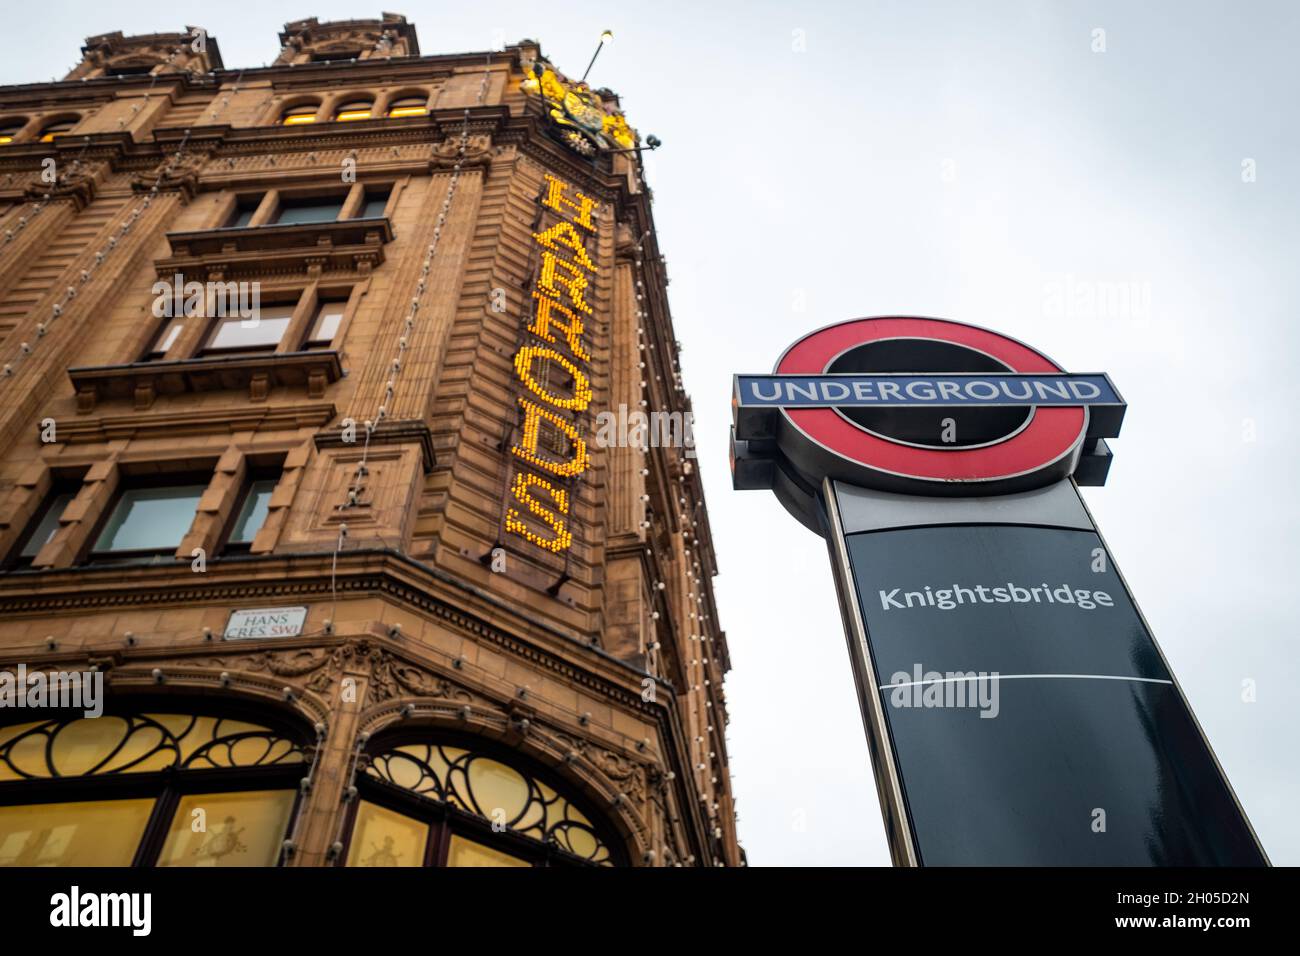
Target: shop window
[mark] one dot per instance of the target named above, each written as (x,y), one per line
(460,803)
(9,130)
(80,833)
(246,829)
(465,852)
(121,789)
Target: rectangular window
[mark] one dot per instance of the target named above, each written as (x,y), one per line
(86,833)
(383,837)
(148,522)
(463,852)
(247,829)
(376,200)
(329,315)
(300,211)
(135,69)
(261,333)
(166,339)
(252,513)
(44,527)
(243,212)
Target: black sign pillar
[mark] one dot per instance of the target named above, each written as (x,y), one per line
(1019,711)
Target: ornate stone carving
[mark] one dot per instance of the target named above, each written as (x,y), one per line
(192,51)
(478,153)
(346,39)
(76,185)
(577,117)
(173,174)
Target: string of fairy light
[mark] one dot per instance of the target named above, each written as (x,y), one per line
(57,309)
(38,205)
(691,543)
(371,425)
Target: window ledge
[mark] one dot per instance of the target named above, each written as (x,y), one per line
(343,244)
(340,232)
(145,381)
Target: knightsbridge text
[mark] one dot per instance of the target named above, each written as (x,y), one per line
(946,599)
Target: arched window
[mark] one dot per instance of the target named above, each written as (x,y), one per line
(59,126)
(10,128)
(299,114)
(441,802)
(130,788)
(408,106)
(353,110)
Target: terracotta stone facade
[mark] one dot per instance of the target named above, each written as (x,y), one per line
(394,446)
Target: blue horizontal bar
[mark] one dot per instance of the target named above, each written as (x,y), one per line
(861,390)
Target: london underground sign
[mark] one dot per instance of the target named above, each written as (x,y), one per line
(1048,437)
(1017,708)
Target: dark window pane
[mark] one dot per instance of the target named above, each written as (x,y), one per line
(253,514)
(373,207)
(312,210)
(48,524)
(242,217)
(150,519)
(54,129)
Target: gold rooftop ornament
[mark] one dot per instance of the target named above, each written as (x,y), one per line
(578,116)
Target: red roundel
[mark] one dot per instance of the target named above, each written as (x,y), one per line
(1052,435)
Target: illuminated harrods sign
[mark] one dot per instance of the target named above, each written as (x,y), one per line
(539,506)
(1017,707)
(265,622)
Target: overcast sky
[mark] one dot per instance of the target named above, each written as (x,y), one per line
(995,163)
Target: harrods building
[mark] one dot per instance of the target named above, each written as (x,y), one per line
(308,375)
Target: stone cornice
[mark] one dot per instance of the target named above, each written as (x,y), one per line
(213,421)
(414,69)
(145,381)
(393,433)
(307,576)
